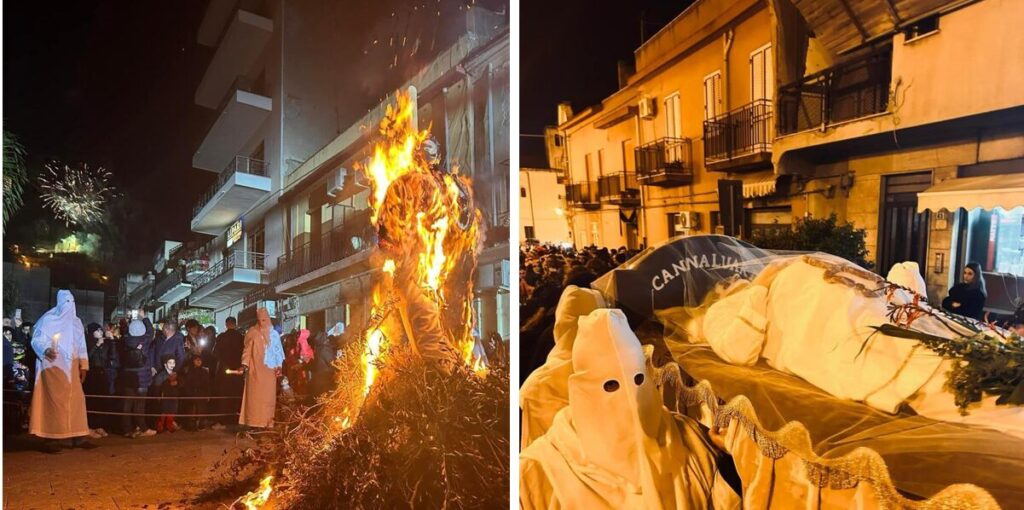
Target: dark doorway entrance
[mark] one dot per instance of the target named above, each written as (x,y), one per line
(902,232)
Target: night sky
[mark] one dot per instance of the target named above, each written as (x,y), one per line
(569,51)
(112,84)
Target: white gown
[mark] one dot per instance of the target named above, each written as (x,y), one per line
(58,402)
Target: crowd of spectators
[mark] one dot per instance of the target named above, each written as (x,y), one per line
(544,272)
(184,364)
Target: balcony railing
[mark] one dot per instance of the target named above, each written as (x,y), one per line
(354,236)
(196,267)
(745,130)
(257,294)
(852,90)
(664,162)
(583,195)
(239,259)
(619,188)
(168,282)
(241,165)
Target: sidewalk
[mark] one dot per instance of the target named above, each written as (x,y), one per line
(161,472)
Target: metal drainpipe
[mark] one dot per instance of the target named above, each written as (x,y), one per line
(643,196)
(568,179)
(727,39)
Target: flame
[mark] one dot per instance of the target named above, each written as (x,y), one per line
(374,343)
(259,497)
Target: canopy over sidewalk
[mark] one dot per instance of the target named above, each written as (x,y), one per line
(987,192)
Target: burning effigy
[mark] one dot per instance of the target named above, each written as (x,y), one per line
(419,415)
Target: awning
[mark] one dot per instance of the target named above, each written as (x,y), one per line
(988,192)
(759,188)
(841,25)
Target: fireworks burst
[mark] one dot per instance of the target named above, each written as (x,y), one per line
(76,194)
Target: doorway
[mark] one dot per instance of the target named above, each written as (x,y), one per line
(903,232)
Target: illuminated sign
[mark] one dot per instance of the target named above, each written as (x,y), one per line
(234,233)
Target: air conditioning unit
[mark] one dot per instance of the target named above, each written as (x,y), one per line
(646,107)
(687,221)
(337,182)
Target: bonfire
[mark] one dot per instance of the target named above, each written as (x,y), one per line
(419,416)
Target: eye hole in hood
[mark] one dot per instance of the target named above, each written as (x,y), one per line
(611,385)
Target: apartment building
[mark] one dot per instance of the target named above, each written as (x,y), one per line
(883,113)
(544,217)
(269,121)
(324,275)
(909,123)
(640,166)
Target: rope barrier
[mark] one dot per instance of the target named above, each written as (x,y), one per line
(175,415)
(161,398)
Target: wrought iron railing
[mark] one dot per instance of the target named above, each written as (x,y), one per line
(240,165)
(257,294)
(354,236)
(620,185)
(745,130)
(239,259)
(583,193)
(168,282)
(848,91)
(664,156)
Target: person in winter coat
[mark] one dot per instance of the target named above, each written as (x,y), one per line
(228,381)
(967,298)
(136,375)
(322,366)
(195,382)
(166,385)
(96,380)
(173,344)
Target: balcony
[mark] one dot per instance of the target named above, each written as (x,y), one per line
(243,42)
(343,250)
(243,183)
(141,294)
(228,280)
(172,288)
(665,162)
(740,140)
(583,195)
(620,189)
(855,89)
(242,112)
(194,268)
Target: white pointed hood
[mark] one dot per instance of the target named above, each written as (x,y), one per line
(614,405)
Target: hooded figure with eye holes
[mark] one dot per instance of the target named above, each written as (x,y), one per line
(615,445)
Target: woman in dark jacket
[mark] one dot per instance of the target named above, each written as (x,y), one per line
(98,347)
(967,298)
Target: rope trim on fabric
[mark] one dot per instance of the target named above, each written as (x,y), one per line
(862,465)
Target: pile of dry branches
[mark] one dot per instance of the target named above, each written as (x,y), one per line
(422,439)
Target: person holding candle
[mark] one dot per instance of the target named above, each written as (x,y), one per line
(58,403)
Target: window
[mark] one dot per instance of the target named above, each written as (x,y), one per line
(600,162)
(995,239)
(673,126)
(921,28)
(587,167)
(256,239)
(713,95)
(522,192)
(762,74)
(628,158)
(530,234)
(558,140)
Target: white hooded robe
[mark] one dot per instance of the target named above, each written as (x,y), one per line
(58,402)
(615,445)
